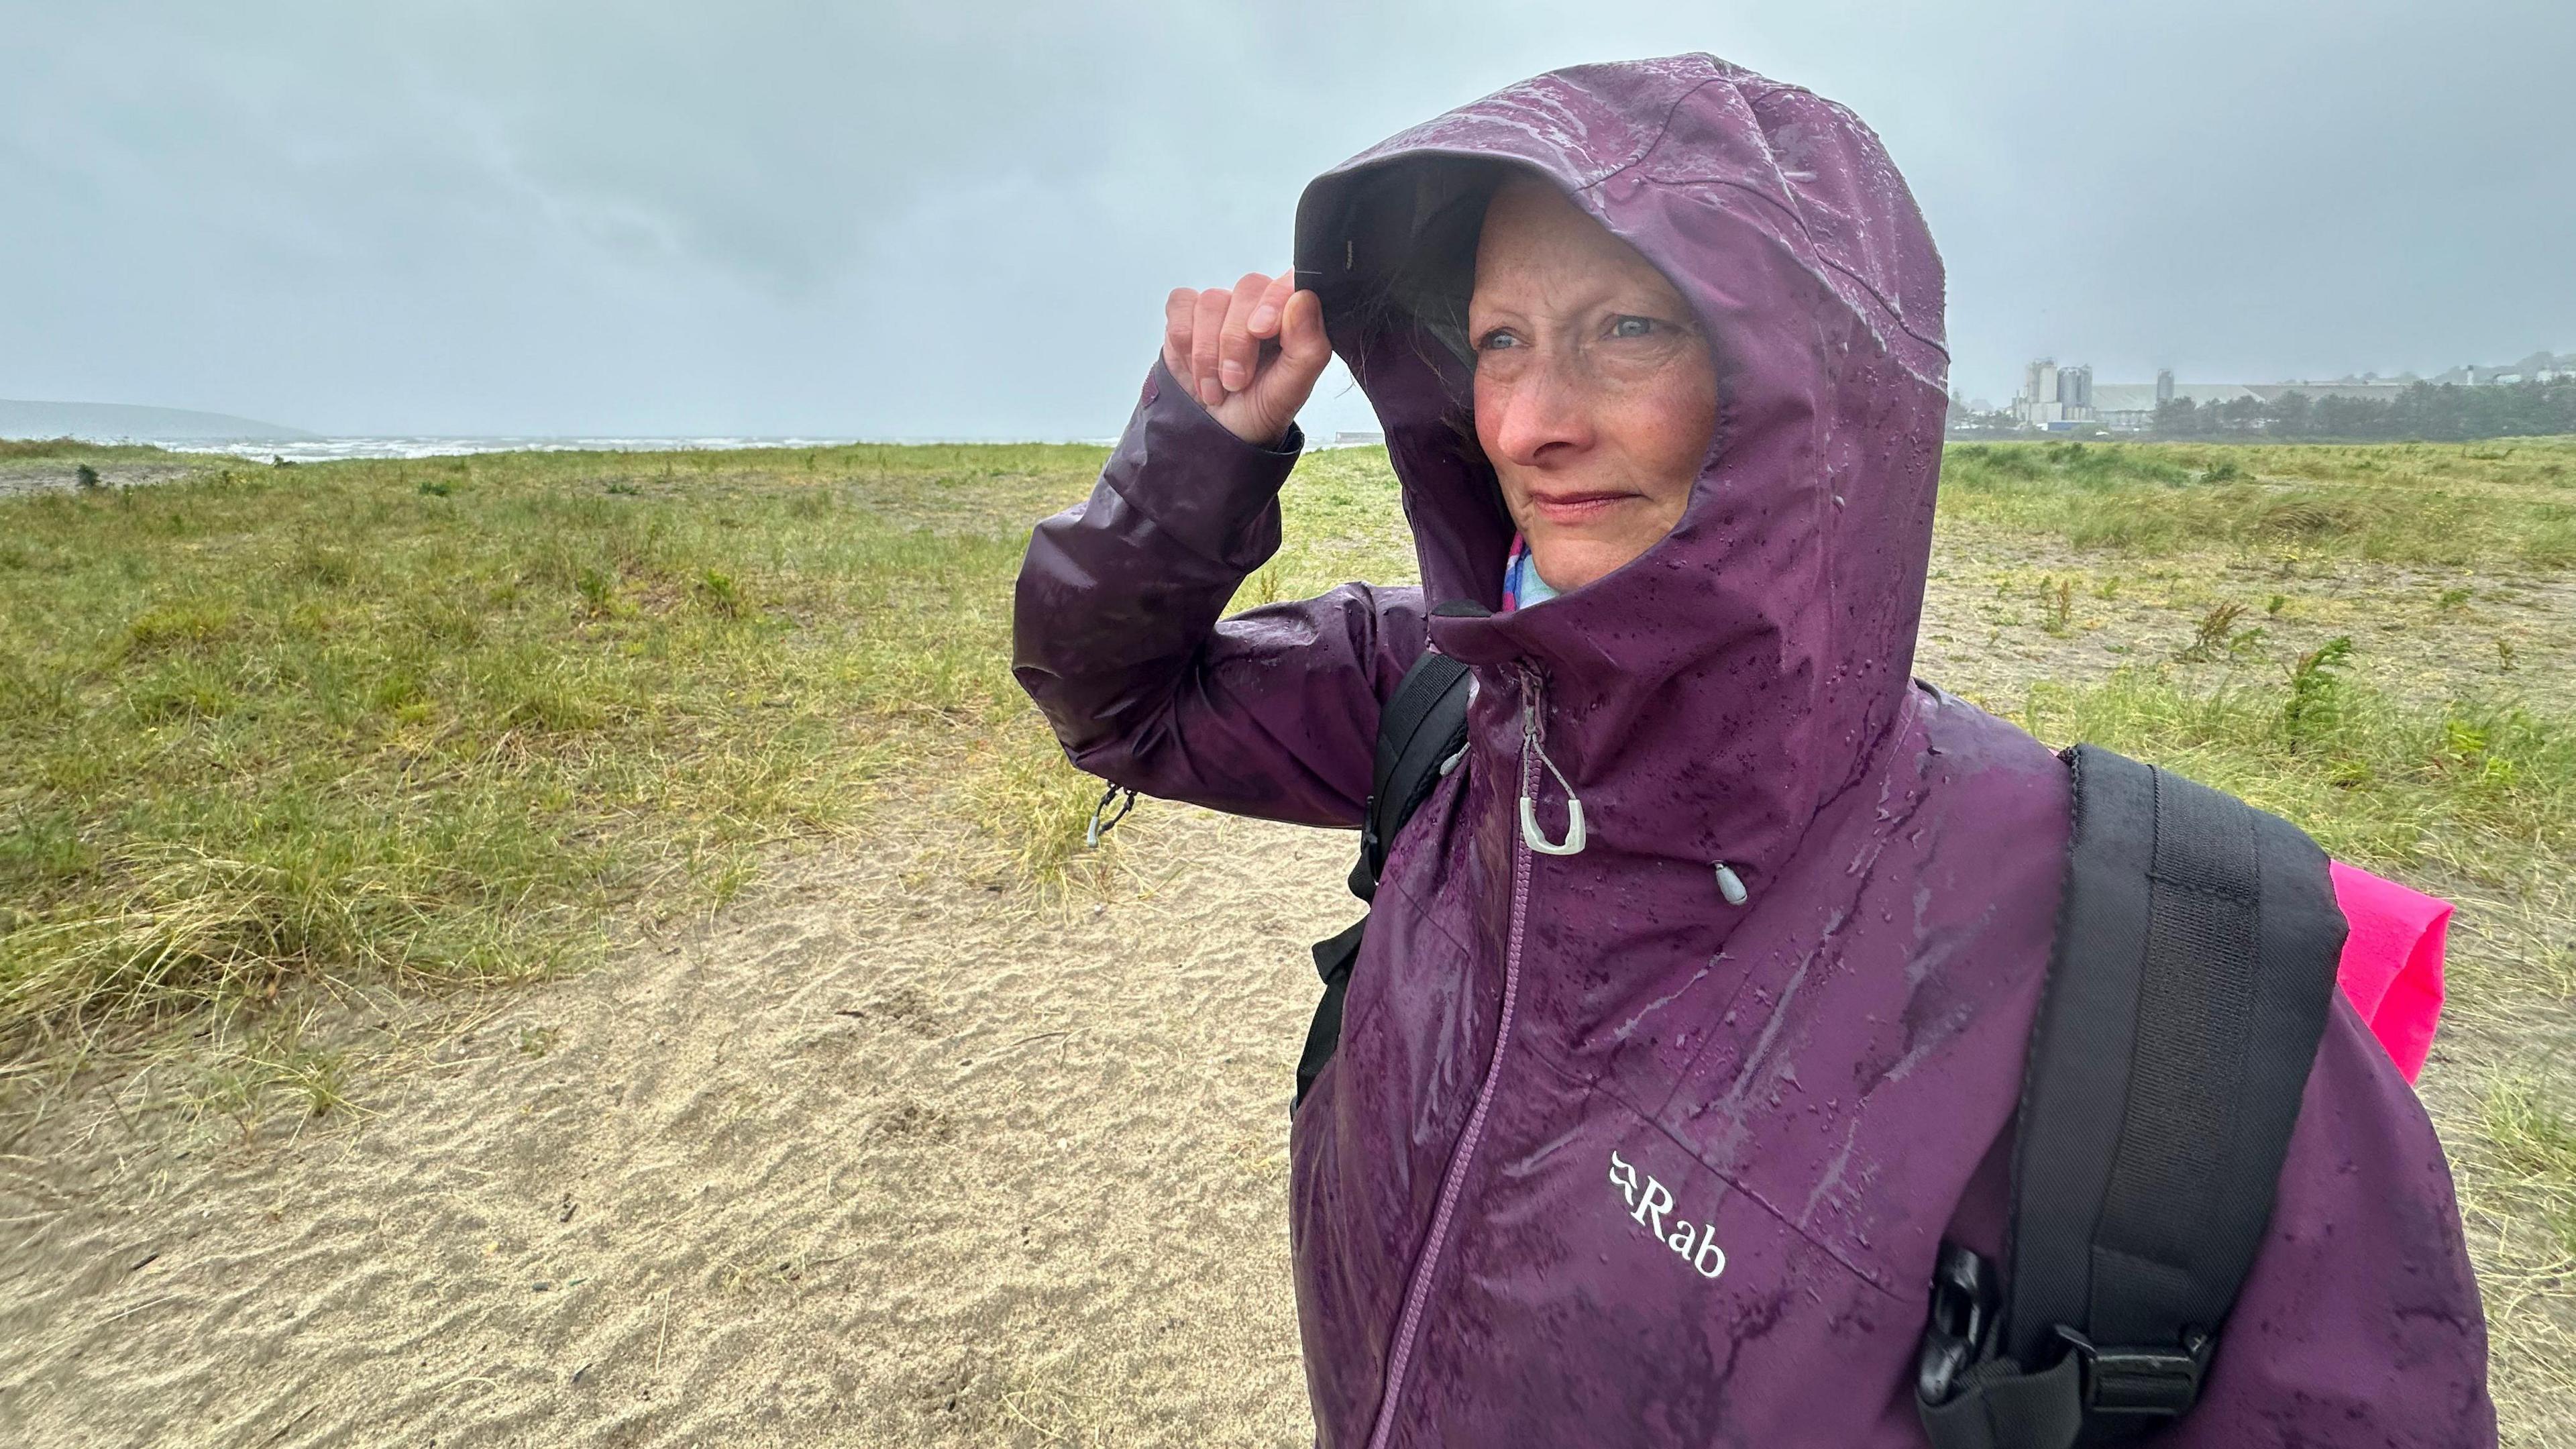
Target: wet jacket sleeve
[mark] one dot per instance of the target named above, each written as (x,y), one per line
(1116,631)
(2360,1322)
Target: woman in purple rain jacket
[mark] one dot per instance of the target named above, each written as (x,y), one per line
(1609,1155)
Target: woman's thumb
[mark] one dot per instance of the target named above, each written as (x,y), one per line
(1302,343)
(1303,351)
(1287,379)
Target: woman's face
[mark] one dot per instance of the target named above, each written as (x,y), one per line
(1596,393)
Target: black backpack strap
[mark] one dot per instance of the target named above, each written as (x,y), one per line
(2195,960)
(1423,726)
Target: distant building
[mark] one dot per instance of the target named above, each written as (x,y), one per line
(2062,399)
(2130,407)
(2053,397)
(2066,399)
(2538,367)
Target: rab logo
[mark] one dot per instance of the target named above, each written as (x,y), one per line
(1647,1206)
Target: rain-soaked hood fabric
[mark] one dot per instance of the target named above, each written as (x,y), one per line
(1606,1157)
(1744,667)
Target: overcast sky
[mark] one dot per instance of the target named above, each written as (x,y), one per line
(945,218)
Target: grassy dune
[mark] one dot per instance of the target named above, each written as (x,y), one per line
(2504,502)
(273,734)
(442,721)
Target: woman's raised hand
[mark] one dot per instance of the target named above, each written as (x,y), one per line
(1250,354)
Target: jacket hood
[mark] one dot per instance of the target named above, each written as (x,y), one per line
(1708,696)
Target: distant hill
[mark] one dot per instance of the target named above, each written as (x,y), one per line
(113,422)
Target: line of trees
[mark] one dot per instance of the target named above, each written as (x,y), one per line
(2444,412)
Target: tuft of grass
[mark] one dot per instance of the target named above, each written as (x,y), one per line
(598,590)
(2057,605)
(2217,634)
(280,1057)
(720,595)
(2317,693)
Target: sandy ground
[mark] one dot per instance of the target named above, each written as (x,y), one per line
(891,1153)
(884,1157)
(62,475)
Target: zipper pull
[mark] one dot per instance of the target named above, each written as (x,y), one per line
(1537,838)
(1533,707)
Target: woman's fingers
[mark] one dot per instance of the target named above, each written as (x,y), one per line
(1238,351)
(1207,328)
(1180,312)
(1275,292)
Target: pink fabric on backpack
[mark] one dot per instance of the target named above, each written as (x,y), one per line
(2392,961)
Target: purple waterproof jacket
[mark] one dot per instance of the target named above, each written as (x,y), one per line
(1604,1159)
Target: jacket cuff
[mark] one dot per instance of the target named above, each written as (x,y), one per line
(1195,480)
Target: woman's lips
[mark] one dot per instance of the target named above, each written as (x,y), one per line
(1576,508)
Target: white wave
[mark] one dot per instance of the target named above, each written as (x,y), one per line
(326,450)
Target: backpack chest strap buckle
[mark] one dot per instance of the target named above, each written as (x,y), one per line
(2152,1382)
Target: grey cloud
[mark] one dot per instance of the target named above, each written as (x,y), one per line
(919,219)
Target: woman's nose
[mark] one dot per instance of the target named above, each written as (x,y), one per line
(1544,408)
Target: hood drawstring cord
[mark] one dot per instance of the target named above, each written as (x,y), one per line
(1533,731)
(1101,827)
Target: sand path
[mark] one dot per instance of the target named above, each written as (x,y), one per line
(886,1156)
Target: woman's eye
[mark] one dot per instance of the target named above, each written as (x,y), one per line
(1632,326)
(1496,340)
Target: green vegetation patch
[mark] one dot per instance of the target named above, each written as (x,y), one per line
(1341,519)
(2478,791)
(2504,503)
(428,721)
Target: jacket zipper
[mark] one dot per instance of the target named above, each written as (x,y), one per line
(1426,1266)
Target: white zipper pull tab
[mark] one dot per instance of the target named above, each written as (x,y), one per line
(1533,706)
